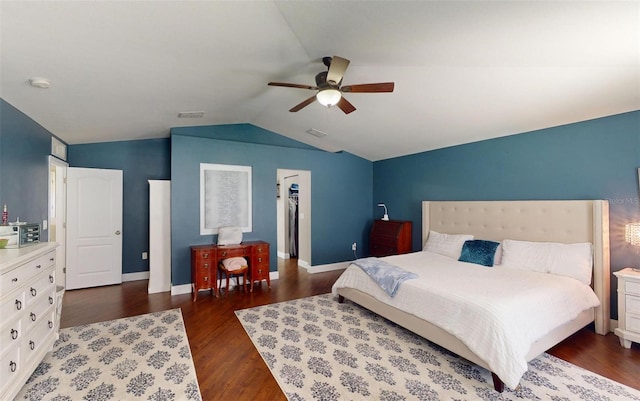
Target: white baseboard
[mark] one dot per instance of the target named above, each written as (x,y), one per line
(284,255)
(180,289)
(325,268)
(303,263)
(135,276)
(186,288)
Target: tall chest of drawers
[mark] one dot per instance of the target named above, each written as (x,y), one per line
(628,306)
(259,263)
(390,237)
(27,307)
(205,259)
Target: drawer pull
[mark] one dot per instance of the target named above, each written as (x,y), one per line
(50,324)
(259,271)
(51,259)
(206,278)
(205,255)
(14,334)
(50,300)
(206,265)
(34,292)
(14,280)
(38,266)
(224,253)
(18,304)
(32,345)
(51,279)
(13,366)
(259,259)
(33,316)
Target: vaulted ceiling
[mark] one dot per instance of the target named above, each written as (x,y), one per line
(464,71)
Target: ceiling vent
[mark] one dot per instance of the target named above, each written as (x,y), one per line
(316,133)
(191,114)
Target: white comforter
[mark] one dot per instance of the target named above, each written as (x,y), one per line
(497,312)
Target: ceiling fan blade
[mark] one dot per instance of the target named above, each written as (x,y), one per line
(345,106)
(337,69)
(369,88)
(299,86)
(303,104)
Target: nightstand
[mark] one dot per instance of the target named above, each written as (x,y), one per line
(628,306)
(389,237)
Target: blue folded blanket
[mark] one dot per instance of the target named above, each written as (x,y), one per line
(388,276)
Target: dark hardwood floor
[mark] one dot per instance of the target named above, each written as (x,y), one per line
(229,367)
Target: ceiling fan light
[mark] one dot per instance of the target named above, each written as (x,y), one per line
(328,97)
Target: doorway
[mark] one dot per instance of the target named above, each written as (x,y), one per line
(294,215)
(57,218)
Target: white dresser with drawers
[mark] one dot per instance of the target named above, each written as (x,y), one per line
(28,310)
(628,306)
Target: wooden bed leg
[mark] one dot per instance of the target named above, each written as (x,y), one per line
(498,384)
(340,299)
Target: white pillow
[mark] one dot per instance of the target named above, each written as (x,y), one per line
(446,244)
(497,259)
(571,260)
(235,263)
(229,235)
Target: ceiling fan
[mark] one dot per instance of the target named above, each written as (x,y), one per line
(329,89)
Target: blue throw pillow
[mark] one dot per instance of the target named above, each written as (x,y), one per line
(479,251)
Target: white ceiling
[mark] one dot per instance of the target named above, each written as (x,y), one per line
(463,71)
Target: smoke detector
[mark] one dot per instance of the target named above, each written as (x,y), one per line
(41,83)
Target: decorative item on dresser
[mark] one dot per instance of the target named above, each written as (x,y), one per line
(390,237)
(205,259)
(28,310)
(628,306)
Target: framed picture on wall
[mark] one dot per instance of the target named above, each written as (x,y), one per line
(225,197)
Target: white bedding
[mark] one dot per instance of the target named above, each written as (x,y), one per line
(497,312)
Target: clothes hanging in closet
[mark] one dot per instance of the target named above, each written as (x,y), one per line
(293,221)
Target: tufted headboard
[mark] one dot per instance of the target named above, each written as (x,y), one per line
(550,221)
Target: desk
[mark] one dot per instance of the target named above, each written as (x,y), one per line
(205,258)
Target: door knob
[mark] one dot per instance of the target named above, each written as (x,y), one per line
(118,232)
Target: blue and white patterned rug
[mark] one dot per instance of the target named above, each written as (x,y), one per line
(319,349)
(145,357)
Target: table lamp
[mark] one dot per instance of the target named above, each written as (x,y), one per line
(386,216)
(632,236)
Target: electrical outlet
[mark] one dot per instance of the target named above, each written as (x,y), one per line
(354,246)
(145,256)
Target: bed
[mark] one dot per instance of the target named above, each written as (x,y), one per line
(566,222)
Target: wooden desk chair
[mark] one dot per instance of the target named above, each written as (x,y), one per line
(234,267)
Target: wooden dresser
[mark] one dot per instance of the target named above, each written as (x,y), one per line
(205,259)
(389,238)
(28,311)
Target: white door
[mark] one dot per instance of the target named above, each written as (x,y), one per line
(94,227)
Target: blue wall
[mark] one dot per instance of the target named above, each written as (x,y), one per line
(25,147)
(341,193)
(596,159)
(592,159)
(139,161)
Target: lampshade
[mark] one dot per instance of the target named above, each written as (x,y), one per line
(329,97)
(632,233)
